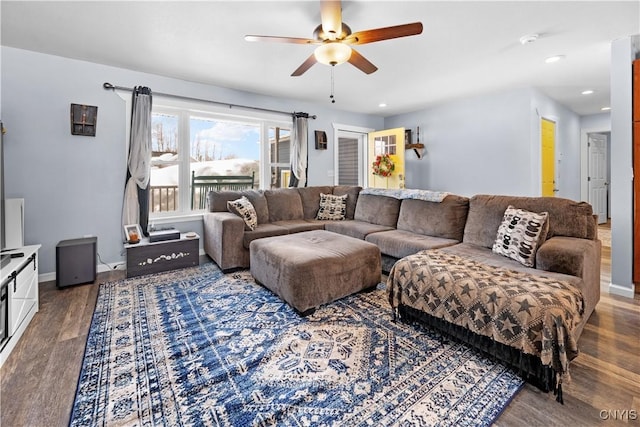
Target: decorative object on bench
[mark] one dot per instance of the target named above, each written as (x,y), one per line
(202,185)
(159,235)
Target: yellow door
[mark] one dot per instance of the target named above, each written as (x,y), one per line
(548,142)
(391,142)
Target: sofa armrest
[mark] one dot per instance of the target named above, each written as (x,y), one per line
(576,257)
(223,240)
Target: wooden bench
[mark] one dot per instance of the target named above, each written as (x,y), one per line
(201,185)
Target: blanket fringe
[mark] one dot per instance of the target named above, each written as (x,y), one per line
(528,366)
(557,391)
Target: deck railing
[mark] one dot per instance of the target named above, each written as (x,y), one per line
(163,198)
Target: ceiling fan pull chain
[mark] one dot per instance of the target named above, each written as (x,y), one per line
(333,100)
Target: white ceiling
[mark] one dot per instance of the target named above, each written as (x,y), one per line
(466,48)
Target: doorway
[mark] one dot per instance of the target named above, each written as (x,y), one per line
(350,144)
(599,174)
(391,143)
(548,150)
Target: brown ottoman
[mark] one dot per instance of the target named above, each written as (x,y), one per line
(314,267)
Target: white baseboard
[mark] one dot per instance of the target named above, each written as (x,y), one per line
(46,277)
(623,291)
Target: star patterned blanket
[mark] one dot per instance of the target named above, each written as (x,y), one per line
(535,314)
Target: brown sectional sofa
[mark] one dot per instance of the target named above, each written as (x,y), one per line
(465,227)
(460,225)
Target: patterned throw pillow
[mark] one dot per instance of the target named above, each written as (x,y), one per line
(332,207)
(245,210)
(520,234)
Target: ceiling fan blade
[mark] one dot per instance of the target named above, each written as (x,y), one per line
(305,66)
(386,33)
(361,62)
(276,39)
(331,16)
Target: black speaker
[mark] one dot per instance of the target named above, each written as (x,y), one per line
(76,261)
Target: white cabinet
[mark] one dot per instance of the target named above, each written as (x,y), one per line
(21,277)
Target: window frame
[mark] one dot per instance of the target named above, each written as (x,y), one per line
(185,110)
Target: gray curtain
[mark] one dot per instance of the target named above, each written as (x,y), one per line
(299,139)
(135,209)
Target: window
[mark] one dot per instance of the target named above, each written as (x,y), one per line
(385,145)
(189,142)
(279,149)
(348,161)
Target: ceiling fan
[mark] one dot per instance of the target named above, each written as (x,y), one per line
(334,39)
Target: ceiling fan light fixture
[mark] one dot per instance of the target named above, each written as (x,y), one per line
(332,53)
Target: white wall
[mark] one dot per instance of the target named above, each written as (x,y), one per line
(73,185)
(596,122)
(623,51)
(490,144)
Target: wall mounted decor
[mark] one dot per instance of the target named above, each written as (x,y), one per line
(408,144)
(407,136)
(321,140)
(83,119)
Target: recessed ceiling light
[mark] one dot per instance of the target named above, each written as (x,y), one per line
(587,92)
(382,105)
(529,38)
(605,109)
(555,58)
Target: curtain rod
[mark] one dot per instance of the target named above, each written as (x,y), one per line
(188,98)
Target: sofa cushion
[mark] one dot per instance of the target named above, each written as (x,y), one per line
(261,231)
(217,202)
(566,217)
(487,256)
(400,243)
(380,210)
(445,219)
(520,234)
(284,204)
(299,225)
(332,207)
(355,228)
(244,209)
(352,192)
(310,197)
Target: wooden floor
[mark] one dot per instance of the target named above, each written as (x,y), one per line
(39,378)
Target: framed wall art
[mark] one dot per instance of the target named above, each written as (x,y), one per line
(83,119)
(321,140)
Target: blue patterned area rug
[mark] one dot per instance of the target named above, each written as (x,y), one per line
(199,347)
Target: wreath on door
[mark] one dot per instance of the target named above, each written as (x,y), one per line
(383,166)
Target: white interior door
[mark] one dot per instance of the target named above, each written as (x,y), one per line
(597,179)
